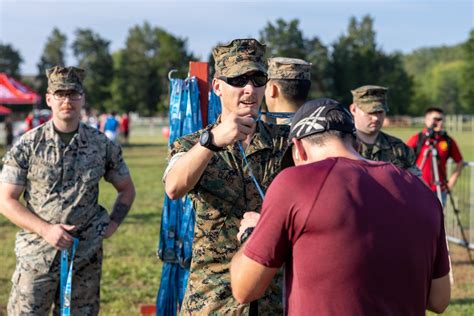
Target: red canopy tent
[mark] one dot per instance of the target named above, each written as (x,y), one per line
(15,92)
(4,110)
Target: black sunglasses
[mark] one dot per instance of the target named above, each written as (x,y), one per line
(437,119)
(259,79)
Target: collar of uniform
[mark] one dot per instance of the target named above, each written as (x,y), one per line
(52,135)
(262,139)
(382,141)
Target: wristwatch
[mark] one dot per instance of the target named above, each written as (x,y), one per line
(206,139)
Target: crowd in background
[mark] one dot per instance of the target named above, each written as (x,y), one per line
(115,126)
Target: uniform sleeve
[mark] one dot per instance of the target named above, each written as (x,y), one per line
(116,168)
(16,164)
(411,142)
(441,264)
(270,243)
(455,153)
(177,149)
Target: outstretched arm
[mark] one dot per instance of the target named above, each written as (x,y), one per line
(186,171)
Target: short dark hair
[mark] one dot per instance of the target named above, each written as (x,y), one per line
(333,116)
(434,109)
(294,90)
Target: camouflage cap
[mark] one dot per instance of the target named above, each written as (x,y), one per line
(288,68)
(65,78)
(239,57)
(370,98)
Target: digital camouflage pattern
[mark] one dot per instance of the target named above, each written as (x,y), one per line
(221,197)
(61,186)
(239,57)
(390,149)
(85,293)
(288,69)
(370,98)
(65,78)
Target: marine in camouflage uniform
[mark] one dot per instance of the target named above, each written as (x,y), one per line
(288,86)
(369,108)
(222,189)
(59,173)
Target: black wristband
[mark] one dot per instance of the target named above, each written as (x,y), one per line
(247,232)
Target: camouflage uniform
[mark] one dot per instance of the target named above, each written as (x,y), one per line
(224,193)
(391,149)
(61,186)
(283,68)
(371,99)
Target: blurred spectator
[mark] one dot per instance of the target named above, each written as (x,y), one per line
(125,127)
(8,132)
(29,124)
(111,127)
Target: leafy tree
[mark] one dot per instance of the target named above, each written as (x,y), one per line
(93,56)
(141,76)
(10,60)
(53,54)
(285,39)
(467,82)
(356,60)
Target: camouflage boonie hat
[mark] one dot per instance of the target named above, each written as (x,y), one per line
(65,78)
(288,68)
(239,57)
(370,98)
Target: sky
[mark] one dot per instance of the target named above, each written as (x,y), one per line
(400,25)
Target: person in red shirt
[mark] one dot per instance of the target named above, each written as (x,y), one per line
(445,146)
(356,237)
(125,127)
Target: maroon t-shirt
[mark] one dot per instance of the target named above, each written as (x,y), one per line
(356,237)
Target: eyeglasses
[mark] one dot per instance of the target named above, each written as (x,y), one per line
(72,95)
(437,119)
(259,79)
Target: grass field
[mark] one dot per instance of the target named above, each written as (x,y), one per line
(131,271)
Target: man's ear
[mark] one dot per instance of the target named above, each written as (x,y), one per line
(274,90)
(352,108)
(217,87)
(48,97)
(299,153)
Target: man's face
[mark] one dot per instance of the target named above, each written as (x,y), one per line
(234,98)
(367,123)
(66,105)
(435,120)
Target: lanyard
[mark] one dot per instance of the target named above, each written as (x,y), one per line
(278,114)
(66,279)
(259,189)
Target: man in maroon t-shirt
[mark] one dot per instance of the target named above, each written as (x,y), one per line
(356,237)
(445,146)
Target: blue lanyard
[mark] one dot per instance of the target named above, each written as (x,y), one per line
(278,114)
(66,279)
(259,189)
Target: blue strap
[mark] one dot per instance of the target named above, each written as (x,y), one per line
(259,189)
(279,114)
(66,279)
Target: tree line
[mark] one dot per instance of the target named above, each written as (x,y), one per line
(134,78)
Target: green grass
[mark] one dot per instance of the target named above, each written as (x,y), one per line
(131,271)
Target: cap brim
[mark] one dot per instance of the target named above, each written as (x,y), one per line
(71,86)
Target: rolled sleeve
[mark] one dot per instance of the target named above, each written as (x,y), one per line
(116,168)
(15,166)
